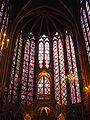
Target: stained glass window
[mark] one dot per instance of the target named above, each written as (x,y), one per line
(85,20)
(74,84)
(28,70)
(59,70)
(15,69)
(47,57)
(43,88)
(88,9)
(4,17)
(40,54)
(27,73)
(44,54)
(2,9)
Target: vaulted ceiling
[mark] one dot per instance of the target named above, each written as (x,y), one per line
(42,16)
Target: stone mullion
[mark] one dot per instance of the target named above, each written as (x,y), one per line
(28,68)
(35,69)
(73,68)
(59,72)
(85,30)
(67,72)
(15,67)
(79,72)
(51,58)
(21,64)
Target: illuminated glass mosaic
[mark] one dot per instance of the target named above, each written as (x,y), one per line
(43,90)
(72,67)
(59,70)
(44,52)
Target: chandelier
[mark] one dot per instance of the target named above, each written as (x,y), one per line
(4,41)
(86,89)
(71,77)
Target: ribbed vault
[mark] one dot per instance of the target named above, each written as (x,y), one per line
(43,18)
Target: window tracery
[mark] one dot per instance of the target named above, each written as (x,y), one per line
(43,88)
(43,85)
(59,70)
(15,69)
(4,17)
(72,67)
(44,52)
(28,70)
(85,19)
(4,21)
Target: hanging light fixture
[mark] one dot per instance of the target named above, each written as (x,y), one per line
(86,89)
(71,76)
(4,41)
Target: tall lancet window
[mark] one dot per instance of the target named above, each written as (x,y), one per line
(28,70)
(72,67)
(43,88)
(59,70)
(15,69)
(85,20)
(2,9)
(4,16)
(44,52)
